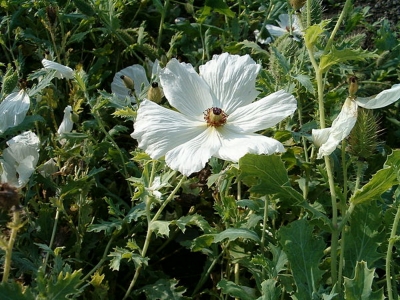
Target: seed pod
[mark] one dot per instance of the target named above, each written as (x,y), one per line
(10,81)
(51,14)
(353,86)
(128,82)
(155,93)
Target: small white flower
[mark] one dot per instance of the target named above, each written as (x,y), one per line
(61,70)
(20,158)
(13,110)
(329,138)
(215,115)
(285,27)
(67,123)
(137,74)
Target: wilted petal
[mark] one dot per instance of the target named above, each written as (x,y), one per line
(159,130)
(66,124)
(384,98)
(13,110)
(135,72)
(320,136)
(236,145)
(62,71)
(232,79)
(340,129)
(263,113)
(185,89)
(193,155)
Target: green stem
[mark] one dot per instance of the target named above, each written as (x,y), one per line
(160,29)
(263,233)
(392,240)
(359,175)
(53,234)
(150,232)
(14,226)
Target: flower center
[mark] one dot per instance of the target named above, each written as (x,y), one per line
(215,116)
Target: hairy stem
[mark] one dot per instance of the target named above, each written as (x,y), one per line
(15,226)
(392,240)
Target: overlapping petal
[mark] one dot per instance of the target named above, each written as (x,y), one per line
(185,89)
(61,70)
(340,129)
(263,113)
(232,79)
(384,98)
(13,110)
(159,130)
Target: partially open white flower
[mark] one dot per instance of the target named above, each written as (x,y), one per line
(329,138)
(67,123)
(20,158)
(287,24)
(215,115)
(61,70)
(13,109)
(133,79)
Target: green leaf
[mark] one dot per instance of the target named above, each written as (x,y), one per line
(160,227)
(234,233)
(232,289)
(304,251)
(163,289)
(269,290)
(381,181)
(363,236)
(335,56)
(15,291)
(194,219)
(202,242)
(221,7)
(360,287)
(64,287)
(269,174)
(313,33)
(305,81)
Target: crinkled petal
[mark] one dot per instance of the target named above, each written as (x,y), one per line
(320,136)
(13,110)
(341,128)
(62,71)
(66,124)
(383,99)
(135,72)
(26,138)
(159,130)
(275,30)
(192,156)
(185,89)
(263,113)
(232,79)
(235,145)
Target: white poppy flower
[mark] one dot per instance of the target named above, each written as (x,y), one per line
(13,110)
(329,138)
(285,27)
(67,123)
(20,158)
(215,115)
(61,70)
(136,74)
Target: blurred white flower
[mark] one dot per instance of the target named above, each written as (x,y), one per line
(329,138)
(214,114)
(67,123)
(154,189)
(61,70)
(48,168)
(20,158)
(287,25)
(133,80)
(13,110)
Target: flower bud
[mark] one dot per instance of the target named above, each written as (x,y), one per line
(128,82)
(297,4)
(353,86)
(10,81)
(155,93)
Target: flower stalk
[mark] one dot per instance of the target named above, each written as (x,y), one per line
(392,239)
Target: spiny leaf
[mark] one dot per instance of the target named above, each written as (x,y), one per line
(164,289)
(160,227)
(269,290)
(234,290)
(234,233)
(15,291)
(64,287)
(313,33)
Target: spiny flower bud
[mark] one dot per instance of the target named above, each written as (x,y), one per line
(155,93)
(363,139)
(10,81)
(353,86)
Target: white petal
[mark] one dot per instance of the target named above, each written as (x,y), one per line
(13,110)
(192,156)
(232,78)
(276,31)
(235,145)
(320,136)
(62,71)
(341,127)
(66,124)
(383,99)
(135,72)
(26,138)
(159,130)
(185,89)
(263,113)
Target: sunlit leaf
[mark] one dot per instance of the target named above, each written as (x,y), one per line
(270,290)
(160,227)
(313,33)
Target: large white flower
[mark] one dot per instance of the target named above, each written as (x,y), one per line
(215,115)
(135,76)
(13,110)
(329,138)
(287,24)
(61,70)
(20,158)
